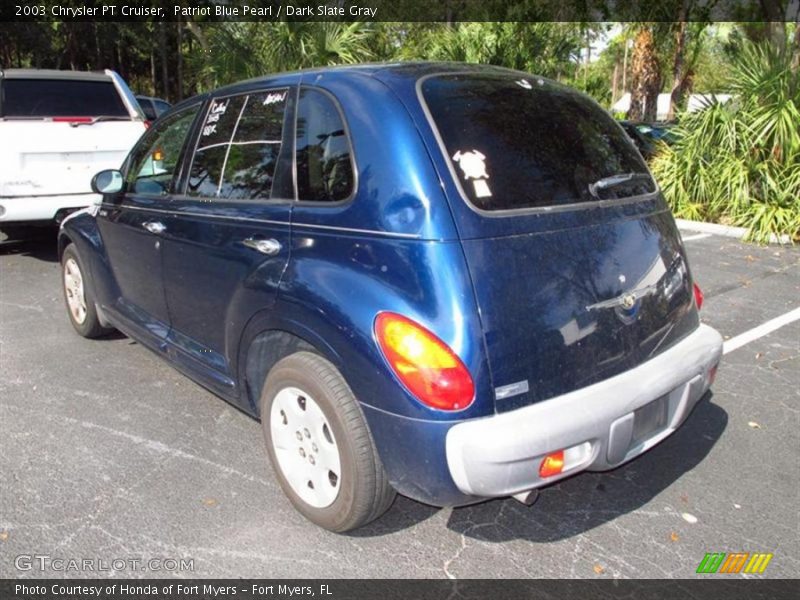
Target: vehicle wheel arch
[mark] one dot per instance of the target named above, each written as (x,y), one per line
(64,240)
(263,346)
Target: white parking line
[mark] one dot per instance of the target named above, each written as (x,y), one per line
(760,331)
(699,236)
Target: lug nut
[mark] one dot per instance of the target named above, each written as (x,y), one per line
(311,459)
(299,436)
(314,447)
(302,453)
(307,433)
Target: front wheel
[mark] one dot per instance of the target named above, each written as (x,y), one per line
(319,445)
(78,296)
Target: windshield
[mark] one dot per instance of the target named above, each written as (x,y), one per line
(518,141)
(60,98)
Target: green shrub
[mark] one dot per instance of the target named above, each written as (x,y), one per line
(739,163)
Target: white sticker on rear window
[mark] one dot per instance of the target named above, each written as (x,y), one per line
(472,164)
(481,188)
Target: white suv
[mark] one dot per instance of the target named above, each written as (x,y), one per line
(59,128)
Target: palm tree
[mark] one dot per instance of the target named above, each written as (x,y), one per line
(234,51)
(645,77)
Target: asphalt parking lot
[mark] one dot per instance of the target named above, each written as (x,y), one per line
(109,453)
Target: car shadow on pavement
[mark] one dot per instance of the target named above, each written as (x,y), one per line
(589,500)
(43,246)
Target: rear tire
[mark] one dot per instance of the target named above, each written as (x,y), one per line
(319,445)
(78,296)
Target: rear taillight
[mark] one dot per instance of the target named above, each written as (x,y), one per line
(147,124)
(424,364)
(698,296)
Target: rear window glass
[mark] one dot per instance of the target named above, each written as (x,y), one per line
(60,98)
(519,142)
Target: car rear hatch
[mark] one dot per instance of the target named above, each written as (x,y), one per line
(59,132)
(576,262)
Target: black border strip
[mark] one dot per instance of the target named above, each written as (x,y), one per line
(398,10)
(713,588)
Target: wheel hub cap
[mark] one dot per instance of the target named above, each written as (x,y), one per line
(305,447)
(73,286)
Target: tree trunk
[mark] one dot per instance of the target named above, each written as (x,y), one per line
(645,79)
(775,15)
(153,80)
(162,50)
(588,57)
(615,81)
(625,69)
(180,60)
(96,36)
(676,93)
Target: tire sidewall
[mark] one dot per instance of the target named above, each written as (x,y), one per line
(88,326)
(335,516)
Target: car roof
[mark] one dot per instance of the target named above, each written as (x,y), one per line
(411,70)
(54,74)
(407,70)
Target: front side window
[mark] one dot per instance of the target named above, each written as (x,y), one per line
(518,142)
(238,148)
(324,164)
(155,160)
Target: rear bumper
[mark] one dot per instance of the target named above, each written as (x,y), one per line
(501,455)
(41,208)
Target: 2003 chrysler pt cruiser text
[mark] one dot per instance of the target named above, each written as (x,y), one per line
(446,281)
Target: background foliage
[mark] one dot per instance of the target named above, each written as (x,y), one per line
(736,163)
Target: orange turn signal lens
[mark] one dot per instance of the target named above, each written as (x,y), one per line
(552,464)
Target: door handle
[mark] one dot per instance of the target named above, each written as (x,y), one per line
(269,247)
(154,226)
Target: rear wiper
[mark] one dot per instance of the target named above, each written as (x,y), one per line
(614,180)
(98,119)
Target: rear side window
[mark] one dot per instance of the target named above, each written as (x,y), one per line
(324,157)
(160,107)
(60,98)
(517,142)
(239,146)
(147,109)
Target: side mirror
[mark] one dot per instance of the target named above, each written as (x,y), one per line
(107,182)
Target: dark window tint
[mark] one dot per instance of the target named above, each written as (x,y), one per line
(324,166)
(239,147)
(160,107)
(524,142)
(155,159)
(60,98)
(148,109)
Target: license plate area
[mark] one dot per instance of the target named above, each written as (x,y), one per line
(650,419)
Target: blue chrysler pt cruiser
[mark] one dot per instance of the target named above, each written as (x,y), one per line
(446,281)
